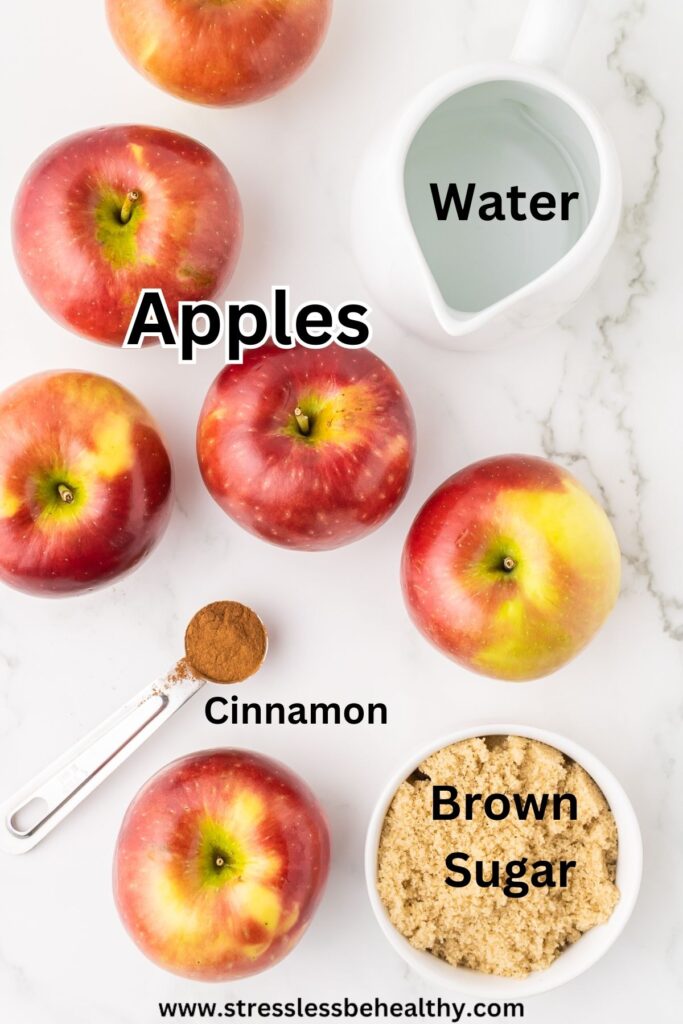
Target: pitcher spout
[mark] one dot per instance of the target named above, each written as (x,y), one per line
(460,326)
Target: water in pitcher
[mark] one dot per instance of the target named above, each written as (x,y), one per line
(501,180)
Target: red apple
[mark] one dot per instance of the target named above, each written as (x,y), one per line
(511,567)
(307,448)
(220,52)
(220,864)
(107,212)
(85,483)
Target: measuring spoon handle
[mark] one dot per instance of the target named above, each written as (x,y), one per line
(61,787)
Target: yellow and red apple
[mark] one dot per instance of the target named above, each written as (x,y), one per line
(511,567)
(110,211)
(307,448)
(85,483)
(220,863)
(220,52)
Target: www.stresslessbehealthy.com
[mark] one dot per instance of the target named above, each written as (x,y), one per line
(343,1009)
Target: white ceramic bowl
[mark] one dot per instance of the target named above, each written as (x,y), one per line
(578,957)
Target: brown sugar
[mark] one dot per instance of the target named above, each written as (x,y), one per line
(481,927)
(226,642)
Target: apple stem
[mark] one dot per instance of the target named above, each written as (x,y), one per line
(129,205)
(303,421)
(65,493)
(509,563)
(220,863)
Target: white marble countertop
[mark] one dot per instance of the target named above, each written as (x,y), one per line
(600,393)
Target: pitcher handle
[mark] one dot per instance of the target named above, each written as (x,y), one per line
(547,32)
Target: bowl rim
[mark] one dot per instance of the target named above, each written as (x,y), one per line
(578,957)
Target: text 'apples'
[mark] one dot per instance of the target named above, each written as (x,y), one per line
(307,448)
(220,864)
(511,567)
(85,483)
(108,212)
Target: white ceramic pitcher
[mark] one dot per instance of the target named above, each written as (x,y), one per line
(474,284)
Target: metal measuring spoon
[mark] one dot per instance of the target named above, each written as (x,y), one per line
(28,816)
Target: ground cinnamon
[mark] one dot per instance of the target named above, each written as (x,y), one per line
(226,642)
(182,671)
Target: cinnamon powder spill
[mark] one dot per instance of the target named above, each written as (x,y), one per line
(225,642)
(183,670)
